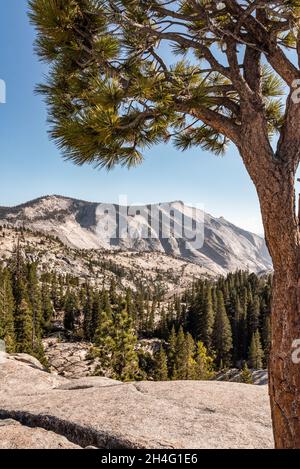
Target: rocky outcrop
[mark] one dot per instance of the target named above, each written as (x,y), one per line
(69,359)
(104,413)
(72,359)
(13,435)
(259,377)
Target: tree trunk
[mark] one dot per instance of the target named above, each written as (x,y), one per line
(274,181)
(274,178)
(284,375)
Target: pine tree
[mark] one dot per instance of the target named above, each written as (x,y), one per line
(71,311)
(163,329)
(161,365)
(204,368)
(196,312)
(18,274)
(208,318)
(55,292)
(113,292)
(24,330)
(172,351)
(256,353)
(180,356)
(151,319)
(240,333)
(104,339)
(125,359)
(96,313)
(28,313)
(47,306)
(34,298)
(140,311)
(7,332)
(246,376)
(190,362)
(254,315)
(222,334)
(130,306)
(88,313)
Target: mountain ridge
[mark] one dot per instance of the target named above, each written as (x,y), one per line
(86,225)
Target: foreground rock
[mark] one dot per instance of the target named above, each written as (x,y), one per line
(106,414)
(13,435)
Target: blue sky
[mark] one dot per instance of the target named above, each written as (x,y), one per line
(31,165)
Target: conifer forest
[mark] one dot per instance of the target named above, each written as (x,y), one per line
(213,325)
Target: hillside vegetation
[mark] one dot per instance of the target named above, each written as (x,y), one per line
(205,326)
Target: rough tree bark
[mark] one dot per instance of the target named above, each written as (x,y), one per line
(282,236)
(274,179)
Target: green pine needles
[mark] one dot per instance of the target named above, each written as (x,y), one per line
(126,75)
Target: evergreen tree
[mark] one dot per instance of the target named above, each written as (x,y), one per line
(222,334)
(96,313)
(204,368)
(71,311)
(151,319)
(196,311)
(55,297)
(172,351)
(161,365)
(125,359)
(208,318)
(180,356)
(88,313)
(47,306)
(130,306)
(24,330)
(104,339)
(34,299)
(240,333)
(256,353)
(113,298)
(7,332)
(246,376)
(190,362)
(254,315)
(163,329)
(140,311)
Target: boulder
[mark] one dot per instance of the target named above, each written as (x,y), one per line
(101,413)
(28,359)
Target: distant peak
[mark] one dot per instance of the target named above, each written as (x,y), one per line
(177,202)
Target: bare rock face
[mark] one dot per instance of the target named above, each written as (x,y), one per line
(69,359)
(30,361)
(259,377)
(83,225)
(13,435)
(102,413)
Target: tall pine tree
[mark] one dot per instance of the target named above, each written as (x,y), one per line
(222,334)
